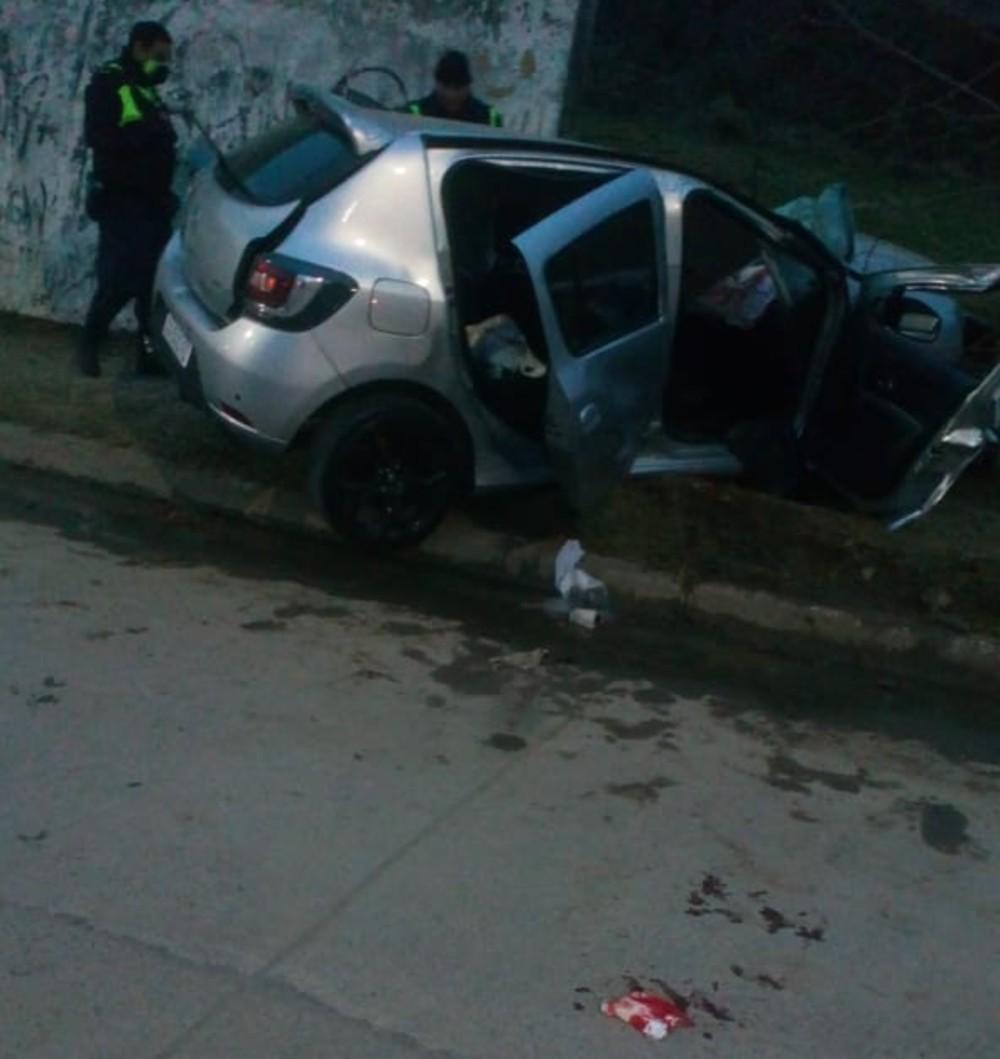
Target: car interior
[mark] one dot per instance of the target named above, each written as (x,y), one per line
(486,206)
(881,406)
(739,364)
(747,326)
(725,371)
(748,320)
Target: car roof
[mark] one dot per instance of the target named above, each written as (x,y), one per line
(372,130)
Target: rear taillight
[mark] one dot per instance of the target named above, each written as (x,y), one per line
(269,285)
(294,295)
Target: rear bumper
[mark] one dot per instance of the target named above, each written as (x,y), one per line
(188,378)
(260,383)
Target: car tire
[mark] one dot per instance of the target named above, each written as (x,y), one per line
(385,469)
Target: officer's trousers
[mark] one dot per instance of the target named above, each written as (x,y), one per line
(133,233)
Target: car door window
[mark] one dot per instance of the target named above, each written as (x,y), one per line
(605,284)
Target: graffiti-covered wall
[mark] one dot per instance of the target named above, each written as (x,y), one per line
(234,59)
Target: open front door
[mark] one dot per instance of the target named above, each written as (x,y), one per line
(598,268)
(898,422)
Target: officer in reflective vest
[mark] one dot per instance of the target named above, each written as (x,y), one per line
(452,97)
(130,196)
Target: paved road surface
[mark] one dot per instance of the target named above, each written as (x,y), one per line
(261,804)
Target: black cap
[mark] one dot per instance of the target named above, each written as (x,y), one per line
(146,33)
(453,70)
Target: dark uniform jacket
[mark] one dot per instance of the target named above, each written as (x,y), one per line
(475,110)
(129,132)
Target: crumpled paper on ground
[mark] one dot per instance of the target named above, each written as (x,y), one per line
(652,1015)
(578,588)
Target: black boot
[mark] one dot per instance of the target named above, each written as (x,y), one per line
(87,361)
(147,364)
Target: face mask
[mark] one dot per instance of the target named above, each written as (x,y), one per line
(156,72)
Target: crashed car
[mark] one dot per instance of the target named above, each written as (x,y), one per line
(435,308)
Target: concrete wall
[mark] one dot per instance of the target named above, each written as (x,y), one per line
(235,58)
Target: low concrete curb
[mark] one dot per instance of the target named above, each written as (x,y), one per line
(460,542)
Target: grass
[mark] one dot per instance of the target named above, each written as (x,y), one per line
(42,389)
(718,531)
(945,215)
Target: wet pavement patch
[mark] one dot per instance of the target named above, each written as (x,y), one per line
(367,673)
(710,1007)
(299,610)
(264,625)
(506,742)
(642,793)
(470,673)
(777,921)
(765,681)
(403,628)
(803,817)
(416,655)
(694,1000)
(713,886)
(787,774)
(711,898)
(944,828)
(639,730)
(698,907)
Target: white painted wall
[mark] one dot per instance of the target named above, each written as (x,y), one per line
(236,58)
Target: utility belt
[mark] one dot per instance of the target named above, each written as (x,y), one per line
(98,197)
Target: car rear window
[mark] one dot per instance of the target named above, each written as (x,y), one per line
(298,159)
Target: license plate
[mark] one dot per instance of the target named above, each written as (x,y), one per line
(180,344)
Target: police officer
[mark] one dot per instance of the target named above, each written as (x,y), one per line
(130,198)
(452,97)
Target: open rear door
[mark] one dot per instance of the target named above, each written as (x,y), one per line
(598,268)
(898,422)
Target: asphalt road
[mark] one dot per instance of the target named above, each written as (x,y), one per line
(260,801)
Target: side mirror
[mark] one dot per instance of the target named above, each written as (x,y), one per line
(922,326)
(909,317)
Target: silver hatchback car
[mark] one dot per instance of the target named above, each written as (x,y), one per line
(435,308)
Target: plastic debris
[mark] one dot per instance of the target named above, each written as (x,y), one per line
(652,1015)
(579,590)
(501,347)
(525,660)
(742,299)
(585,617)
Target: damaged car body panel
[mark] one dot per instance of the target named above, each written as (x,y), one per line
(958,279)
(898,422)
(432,307)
